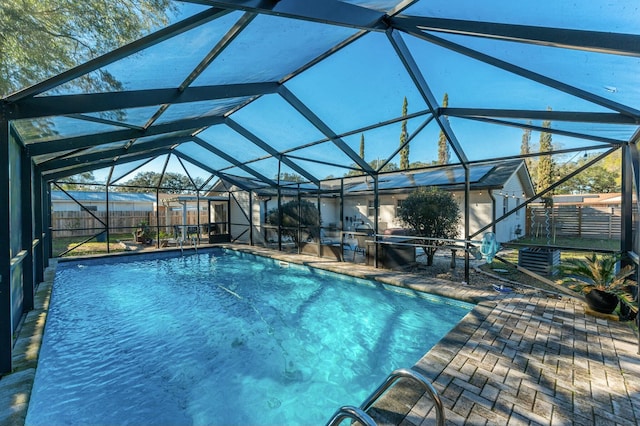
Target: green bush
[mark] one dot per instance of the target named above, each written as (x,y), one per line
(431,213)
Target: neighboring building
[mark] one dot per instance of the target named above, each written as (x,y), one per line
(495,188)
(613,199)
(62,201)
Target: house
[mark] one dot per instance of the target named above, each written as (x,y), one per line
(613,199)
(495,189)
(96,201)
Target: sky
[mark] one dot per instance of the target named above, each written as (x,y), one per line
(365,83)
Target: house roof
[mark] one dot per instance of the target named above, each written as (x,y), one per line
(100,196)
(492,175)
(481,176)
(595,199)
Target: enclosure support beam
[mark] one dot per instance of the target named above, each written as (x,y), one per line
(229,218)
(48,233)
(26,209)
(590,41)
(633,170)
(539,78)
(136,46)
(307,113)
(467,228)
(250,217)
(626,225)
(415,73)
(6,332)
(544,191)
(299,225)
(341,206)
(37,223)
(328,11)
(279,212)
(197,215)
(319,223)
(158,217)
(375,221)
(108,212)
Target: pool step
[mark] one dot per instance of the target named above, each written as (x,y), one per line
(362,414)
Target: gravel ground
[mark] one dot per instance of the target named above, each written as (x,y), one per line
(481,274)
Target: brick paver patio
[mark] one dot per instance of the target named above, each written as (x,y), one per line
(521,359)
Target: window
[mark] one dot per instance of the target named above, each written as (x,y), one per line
(91,208)
(518,205)
(398,207)
(371,211)
(505,205)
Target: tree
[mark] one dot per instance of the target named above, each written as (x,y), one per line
(172,183)
(43,38)
(420,165)
(389,167)
(444,154)
(306,216)
(595,179)
(291,177)
(525,145)
(81,182)
(362,146)
(545,163)
(375,164)
(404,152)
(431,213)
(613,163)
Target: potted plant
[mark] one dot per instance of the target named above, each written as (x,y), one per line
(143,233)
(596,277)
(164,239)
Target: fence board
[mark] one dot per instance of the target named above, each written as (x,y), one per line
(576,221)
(81,223)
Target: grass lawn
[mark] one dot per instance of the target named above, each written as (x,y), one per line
(581,248)
(581,244)
(63,244)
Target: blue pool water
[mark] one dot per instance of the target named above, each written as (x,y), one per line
(222,338)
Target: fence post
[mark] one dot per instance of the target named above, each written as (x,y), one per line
(611,222)
(579,221)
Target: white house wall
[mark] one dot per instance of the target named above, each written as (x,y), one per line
(240,209)
(481,213)
(512,194)
(485,207)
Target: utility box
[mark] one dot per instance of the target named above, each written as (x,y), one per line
(540,260)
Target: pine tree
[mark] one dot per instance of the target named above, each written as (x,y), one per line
(526,140)
(525,145)
(545,164)
(404,152)
(362,146)
(443,146)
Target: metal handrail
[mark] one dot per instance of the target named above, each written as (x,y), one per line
(410,374)
(352,412)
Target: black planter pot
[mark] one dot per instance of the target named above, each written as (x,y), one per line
(601,301)
(626,313)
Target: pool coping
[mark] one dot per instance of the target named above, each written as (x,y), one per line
(481,367)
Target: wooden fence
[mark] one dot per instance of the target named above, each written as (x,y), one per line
(562,221)
(575,221)
(81,223)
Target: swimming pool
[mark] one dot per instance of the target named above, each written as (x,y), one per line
(222,337)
